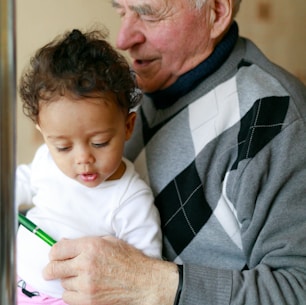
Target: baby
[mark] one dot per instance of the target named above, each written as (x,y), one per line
(80,93)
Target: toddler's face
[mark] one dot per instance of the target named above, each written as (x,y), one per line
(86,137)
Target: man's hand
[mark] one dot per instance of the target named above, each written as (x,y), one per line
(106,271)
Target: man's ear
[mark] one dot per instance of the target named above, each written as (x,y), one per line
(221,16)
(129,127)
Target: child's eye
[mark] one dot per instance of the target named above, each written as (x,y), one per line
(99,145)
(61,149)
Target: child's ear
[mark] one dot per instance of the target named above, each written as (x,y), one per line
(129,126)
(38,127)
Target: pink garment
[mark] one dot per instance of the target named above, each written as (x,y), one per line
(38,298)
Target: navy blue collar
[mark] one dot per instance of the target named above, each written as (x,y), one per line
(188,81)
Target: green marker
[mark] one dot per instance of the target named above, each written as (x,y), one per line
(35,229)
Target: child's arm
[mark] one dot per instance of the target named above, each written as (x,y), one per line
(137,222)
(23,189)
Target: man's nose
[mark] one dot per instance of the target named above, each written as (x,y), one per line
(130,32)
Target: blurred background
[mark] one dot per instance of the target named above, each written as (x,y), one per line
(276,26)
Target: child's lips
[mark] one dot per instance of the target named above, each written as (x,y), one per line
(88,177)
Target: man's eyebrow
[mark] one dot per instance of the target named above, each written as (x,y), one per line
(115,4)
(144,9)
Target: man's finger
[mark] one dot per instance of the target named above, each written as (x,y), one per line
(72,298)
(64,249)
(58,270)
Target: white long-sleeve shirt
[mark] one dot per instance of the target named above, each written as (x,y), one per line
(64,208)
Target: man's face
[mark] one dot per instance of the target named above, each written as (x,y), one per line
(164,39)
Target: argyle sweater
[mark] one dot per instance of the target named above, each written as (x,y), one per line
(226,159)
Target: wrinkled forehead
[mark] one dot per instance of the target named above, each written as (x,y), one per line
(143,5)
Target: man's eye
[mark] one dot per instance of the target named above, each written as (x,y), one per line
(150,18)
(121,14)
(119,10)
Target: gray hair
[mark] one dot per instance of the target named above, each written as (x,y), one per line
(199,4)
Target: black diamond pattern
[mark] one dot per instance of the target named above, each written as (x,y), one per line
(183,208)
(260,125)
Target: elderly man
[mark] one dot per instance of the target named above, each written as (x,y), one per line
(220,137)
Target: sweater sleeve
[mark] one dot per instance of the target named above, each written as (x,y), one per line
(269,194)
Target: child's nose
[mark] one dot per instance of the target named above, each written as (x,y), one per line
(84,156)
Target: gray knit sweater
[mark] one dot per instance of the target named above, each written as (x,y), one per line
(227,165)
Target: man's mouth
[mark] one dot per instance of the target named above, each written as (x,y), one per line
(142,62)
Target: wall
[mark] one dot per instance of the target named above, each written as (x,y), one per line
(277,26)
(38,22)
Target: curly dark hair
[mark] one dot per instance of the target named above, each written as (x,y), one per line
(77,64)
